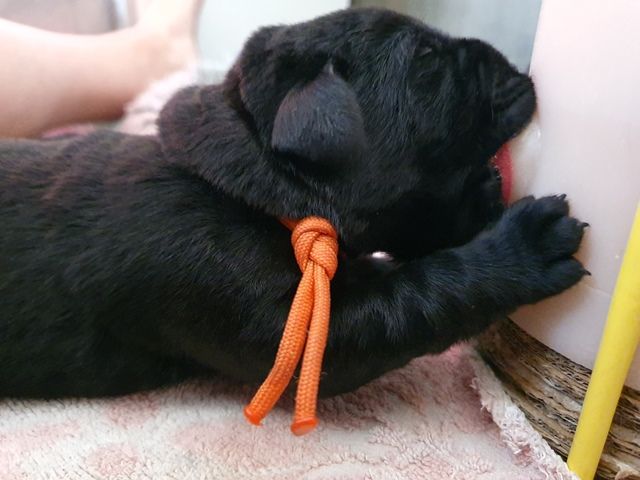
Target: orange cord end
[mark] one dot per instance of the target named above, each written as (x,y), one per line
(252,417)
(315,246)
(302,427)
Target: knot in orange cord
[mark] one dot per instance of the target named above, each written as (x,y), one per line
(315,240)
(315,246)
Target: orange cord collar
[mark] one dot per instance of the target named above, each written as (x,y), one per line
(305,334)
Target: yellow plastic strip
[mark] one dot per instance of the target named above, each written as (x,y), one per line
(618,345)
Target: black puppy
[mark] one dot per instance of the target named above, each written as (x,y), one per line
(127,262)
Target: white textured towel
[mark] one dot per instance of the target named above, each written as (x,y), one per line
(425,421)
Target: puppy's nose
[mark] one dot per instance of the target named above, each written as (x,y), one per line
(516,88)
(514,102)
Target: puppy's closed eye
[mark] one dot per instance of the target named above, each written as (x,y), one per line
(424,51)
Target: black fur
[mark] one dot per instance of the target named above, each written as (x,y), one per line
(128,262)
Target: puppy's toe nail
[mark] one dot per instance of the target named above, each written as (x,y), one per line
(562,196)
(586,272)
(585,225)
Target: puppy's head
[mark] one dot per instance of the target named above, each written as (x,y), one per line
(379,123)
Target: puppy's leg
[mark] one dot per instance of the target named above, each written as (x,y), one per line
(87,367)
(382,319)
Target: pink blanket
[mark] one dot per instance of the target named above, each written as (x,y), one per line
(425,421)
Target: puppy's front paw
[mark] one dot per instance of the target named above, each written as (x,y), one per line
(540,235)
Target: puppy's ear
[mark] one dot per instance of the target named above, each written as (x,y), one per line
(320,121)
